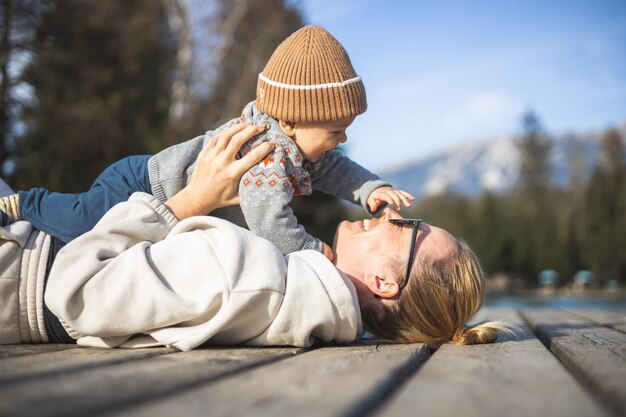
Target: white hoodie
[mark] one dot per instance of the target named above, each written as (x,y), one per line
(141,278)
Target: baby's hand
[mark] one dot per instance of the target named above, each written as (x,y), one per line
(327,252)
(389,195)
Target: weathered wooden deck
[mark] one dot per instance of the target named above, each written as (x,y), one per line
(562,363)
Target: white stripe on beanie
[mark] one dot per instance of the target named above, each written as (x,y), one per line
(308,87)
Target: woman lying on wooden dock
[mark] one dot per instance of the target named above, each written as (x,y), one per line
(152,274)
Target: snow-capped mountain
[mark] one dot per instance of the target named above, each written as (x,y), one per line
(472,168)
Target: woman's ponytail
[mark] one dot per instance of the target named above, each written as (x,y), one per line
(486,332)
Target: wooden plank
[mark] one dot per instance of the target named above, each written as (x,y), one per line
(594,353)
(516,376)
(615,319)
(331,381)
(81,392)
(9,351)
(22,368)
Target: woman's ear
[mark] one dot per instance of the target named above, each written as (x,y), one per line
(288,128)
(383,285)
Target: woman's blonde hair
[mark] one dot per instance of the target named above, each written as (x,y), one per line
(433,308)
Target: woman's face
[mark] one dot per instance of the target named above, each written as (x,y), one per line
(368,244)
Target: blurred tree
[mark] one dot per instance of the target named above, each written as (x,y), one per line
(573,213)
(535,229)
(180,24)
(492,238)
(18,19)
(604,240)
(241,36)
(534,153)
(578,165)
(101,74)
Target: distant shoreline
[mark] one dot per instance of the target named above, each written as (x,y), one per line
(585,299)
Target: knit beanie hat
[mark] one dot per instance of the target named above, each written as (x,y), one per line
(309,78)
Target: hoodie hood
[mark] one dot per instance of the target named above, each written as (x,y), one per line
(319,303)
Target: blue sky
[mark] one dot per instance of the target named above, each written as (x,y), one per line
(438,73)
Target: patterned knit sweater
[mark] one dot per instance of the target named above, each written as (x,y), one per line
(266,189)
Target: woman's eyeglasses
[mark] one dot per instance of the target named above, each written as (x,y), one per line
(416,225)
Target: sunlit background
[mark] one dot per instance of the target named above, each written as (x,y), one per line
(506,119)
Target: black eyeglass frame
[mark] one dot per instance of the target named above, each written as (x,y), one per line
(416,223)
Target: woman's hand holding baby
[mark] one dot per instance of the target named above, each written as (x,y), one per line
(389,195)
(215,179)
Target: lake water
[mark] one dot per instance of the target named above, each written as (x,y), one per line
(575,302)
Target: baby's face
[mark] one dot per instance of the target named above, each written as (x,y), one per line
(314,139)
